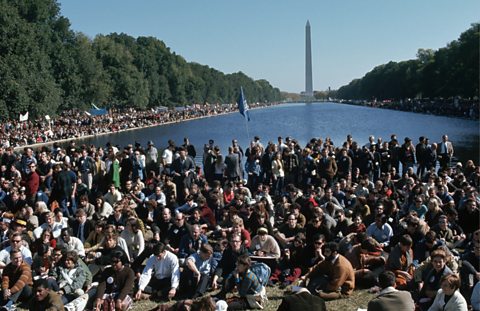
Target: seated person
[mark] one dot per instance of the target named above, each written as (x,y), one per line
(44,298)
(70,242)
(196,275)
(133,237)
(367,261)
(227,264)
(116,283)
(389,297)
(444,233)
(448,296)
(70,278)
(161,275)
(287,232)
(264,245)
(16,281)
(102,258)
(333,277)
(175,233)
(430,278)
(16,242)
(380,230)
(191,242)
(96,236)
(202,304)
(400,261)
(238,228)
(252,293)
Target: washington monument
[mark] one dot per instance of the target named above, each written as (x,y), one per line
(308,62)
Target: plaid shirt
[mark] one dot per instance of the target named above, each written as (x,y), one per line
(248,284)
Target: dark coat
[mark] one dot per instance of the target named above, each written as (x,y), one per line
(302,301)
(392,301)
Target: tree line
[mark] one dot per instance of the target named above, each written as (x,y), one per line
(448,72)
(46,68)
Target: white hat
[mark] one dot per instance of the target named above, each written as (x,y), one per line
(221,305)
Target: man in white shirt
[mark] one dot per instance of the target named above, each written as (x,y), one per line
(167,157)
(71,243)
(16,241)
(161,275)
(49,223)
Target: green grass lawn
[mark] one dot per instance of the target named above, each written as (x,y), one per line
(359,299)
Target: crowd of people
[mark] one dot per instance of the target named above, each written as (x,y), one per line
(99,228)
(76,123)
(450,107)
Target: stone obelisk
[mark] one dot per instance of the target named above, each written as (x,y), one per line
(308,62)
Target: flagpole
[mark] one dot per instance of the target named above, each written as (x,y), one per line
(243,108)
(248,132)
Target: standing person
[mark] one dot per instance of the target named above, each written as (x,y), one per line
(32,183)
(210,158)
(86,165)
(16,281)
(64,189)
(253,170)
(45,299)
(431,157)
(116,283)
(291,165)
(151,158)
(183,171)
(126,166)
(278,174)
(161,275)
(421,152)
(385,158)
(192,153)
(407,155)
(167,157)
(232,166)
(445,152)
(344,164)
(327,167)
(390,299)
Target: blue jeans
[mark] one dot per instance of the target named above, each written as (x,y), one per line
(25,292)
(68,206)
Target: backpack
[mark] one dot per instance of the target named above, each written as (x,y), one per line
(262,271)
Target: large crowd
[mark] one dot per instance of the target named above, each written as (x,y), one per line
(99,228)
(450,107)
(77,123)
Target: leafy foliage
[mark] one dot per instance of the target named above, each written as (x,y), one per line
(45,67)
(450,71)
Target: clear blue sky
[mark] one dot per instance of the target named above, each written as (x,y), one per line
(265,39)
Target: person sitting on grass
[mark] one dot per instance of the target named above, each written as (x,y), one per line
(252,293)
(44,298)
(16,281)
(448,297)
(333,277)
(161,275)
(389,298)
(116,284)
(196,274)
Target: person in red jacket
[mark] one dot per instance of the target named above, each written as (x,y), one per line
(31,182)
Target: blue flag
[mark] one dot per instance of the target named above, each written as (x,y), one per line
(242,105)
